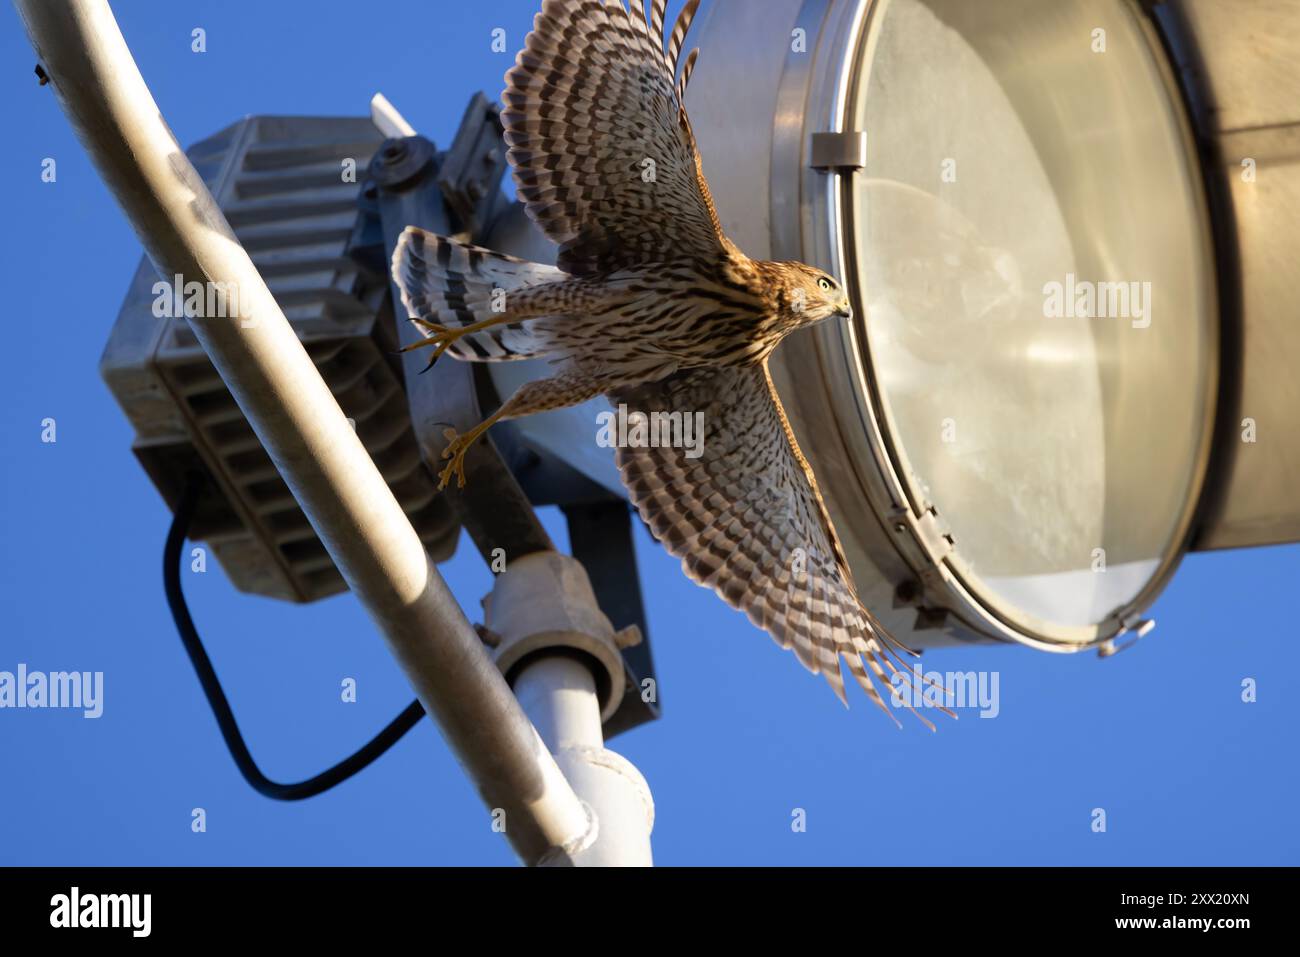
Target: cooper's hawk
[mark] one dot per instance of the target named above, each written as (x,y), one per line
(651,305)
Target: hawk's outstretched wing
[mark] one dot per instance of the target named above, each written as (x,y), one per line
(747,520)
(602,151)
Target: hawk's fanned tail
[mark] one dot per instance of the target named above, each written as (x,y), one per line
(453,284)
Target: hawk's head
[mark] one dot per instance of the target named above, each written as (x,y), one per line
(809,295)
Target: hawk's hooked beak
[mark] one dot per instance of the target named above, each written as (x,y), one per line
(844,309)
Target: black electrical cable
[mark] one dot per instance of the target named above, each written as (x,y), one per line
(260,783)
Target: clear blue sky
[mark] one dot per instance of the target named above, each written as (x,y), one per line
(1157,736)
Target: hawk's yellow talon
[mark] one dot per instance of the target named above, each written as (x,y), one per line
(457,446)
(457,467)
(440,337)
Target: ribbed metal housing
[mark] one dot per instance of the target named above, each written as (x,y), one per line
(282,184)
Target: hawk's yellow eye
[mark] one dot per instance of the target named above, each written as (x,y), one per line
(824,284)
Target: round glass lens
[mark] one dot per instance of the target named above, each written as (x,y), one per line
(1039,318)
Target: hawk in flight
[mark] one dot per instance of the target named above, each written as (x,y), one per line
(651,305)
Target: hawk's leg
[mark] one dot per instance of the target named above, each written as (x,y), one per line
(442,337)
(557,392)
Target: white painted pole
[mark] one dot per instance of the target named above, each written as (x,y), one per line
(562,653)
(303,430)
(559,694)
